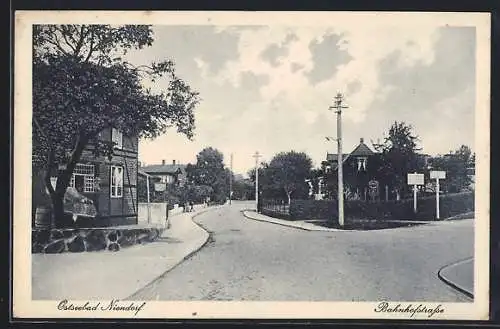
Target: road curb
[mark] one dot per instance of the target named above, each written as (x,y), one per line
(320,229)
(189,255)
(452,284)
(277,223)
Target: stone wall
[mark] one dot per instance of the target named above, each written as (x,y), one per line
(157,211)
(91,239)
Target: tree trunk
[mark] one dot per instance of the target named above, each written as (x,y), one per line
(289,198)
(63,180)
(60,221)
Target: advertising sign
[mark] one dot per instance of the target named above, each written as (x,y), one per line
(160,187)
(415,179)
(437,174)
(373,188)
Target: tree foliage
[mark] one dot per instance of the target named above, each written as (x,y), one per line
(288,171)
(209,171)
(243,190)
(82,86)
(397,156)
(457,165)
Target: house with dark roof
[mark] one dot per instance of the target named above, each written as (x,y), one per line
(358,157)
(172,173)
(359,167)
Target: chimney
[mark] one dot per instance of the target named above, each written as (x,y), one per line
(173,162)
(163,162)
(361,140)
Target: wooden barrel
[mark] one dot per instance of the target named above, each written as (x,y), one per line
(43,218)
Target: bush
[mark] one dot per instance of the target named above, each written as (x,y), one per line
(313,209)
(276,214)
(450,205)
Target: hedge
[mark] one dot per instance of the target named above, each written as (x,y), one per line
(450,205)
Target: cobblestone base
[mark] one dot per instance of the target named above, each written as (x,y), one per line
(91,239)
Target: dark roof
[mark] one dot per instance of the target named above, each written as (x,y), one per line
(238,177)
(362,150)
(163,169)
(333,156)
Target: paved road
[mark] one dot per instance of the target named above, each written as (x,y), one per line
(250,260)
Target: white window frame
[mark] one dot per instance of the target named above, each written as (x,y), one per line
(117,136)
(362,161)
(116,188)
(89,179)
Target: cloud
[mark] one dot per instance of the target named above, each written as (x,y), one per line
(273,53)
(295,67)
(268,88)
(327,56)
(187,45)
(436,97)
(353,87)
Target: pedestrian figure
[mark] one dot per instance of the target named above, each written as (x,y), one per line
(191,206)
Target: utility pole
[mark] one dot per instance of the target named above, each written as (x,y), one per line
(339,98)
(231,179)
(257,156)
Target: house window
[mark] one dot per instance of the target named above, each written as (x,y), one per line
(117,138)
(362,164)
(83,178)
(167,179)
(116,181)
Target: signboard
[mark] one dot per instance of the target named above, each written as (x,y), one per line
(373,188)
(373,184)
(415,179)
(160,187)
(435,174)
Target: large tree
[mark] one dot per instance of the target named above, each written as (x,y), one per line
(82,86)
(209,170)
(398,156)
(289,171)
(267,188)
(456,164)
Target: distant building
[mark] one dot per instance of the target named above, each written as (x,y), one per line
(167,173)
(238,177)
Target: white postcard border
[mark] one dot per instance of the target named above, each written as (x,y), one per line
(24,306)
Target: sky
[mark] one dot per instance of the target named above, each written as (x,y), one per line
(269,88)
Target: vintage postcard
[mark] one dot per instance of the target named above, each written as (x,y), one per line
(260,165)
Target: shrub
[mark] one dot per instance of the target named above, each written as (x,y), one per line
(450,205)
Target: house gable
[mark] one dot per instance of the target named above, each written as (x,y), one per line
(361,151)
